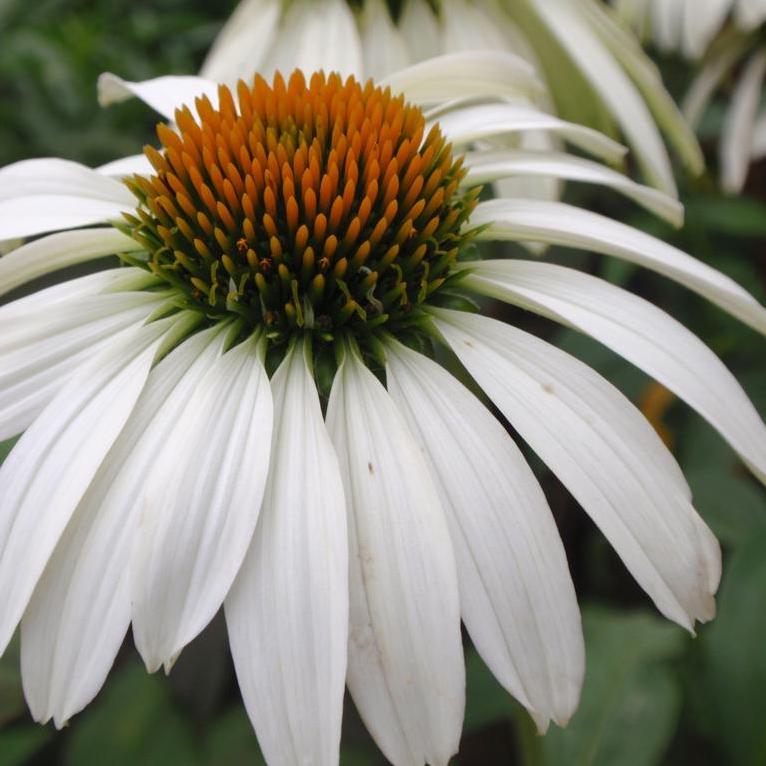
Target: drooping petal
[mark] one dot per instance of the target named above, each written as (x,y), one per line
(58,251)
(648,78)
(50,468)
(36,359)
(420,29)
(639,331)
(604,451)
(405,660)
(243,43)
(565,21)
(287,613)
(559,224)
(200,505)
(517,598)
(80,611)
(163,94)
(44,195)
(484,167)
(466,75)
(739,125)
(491,121)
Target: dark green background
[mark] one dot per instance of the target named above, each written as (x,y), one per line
(653,695)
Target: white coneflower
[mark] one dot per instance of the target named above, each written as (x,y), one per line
(596,73)
(725,36)
(300,245)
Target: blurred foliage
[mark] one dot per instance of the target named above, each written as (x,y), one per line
(652,695)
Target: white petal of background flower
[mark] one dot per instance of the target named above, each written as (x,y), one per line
(405,670)
(739,124)
(648,78)
(287,613)
(604,451)
(58,251)
(77,618)
(613,85)
(560,224)
(639,331)
(244,41)
(314,35)
(468,75)
(420,30)
(383,47)
(43,195)
(517,598)
(50,468)
(200,504)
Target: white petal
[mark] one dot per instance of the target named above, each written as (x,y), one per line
(405,661)
(15,315)
(474,123)
(37,359)
(242,44)
(48,194)
(715,69)
(739,126)
(701,23)
(80,611)
(163,94)
(560,224)
(759,138)
(639,331)
(517,597)
(604,451)
(51,466)
(484,167)
(420,29)
(136,164)
(750,13)
(287,613)
(58,251)
(566,22)
(471,74)
(200,504)
(647,77)
(383,48)
(57,177)
(317,35)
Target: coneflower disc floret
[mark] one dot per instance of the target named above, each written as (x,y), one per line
(301,205)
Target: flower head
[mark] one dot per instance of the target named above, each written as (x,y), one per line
(249,412)
(313,206)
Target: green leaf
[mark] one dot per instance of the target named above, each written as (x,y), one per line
(732,504)
(630,702)
(486,701)
(6,447)
(17,745)
(12,702)
(736,216)
(231,741)
(133,722)
(735,669)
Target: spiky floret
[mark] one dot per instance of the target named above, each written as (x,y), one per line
(300,205)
